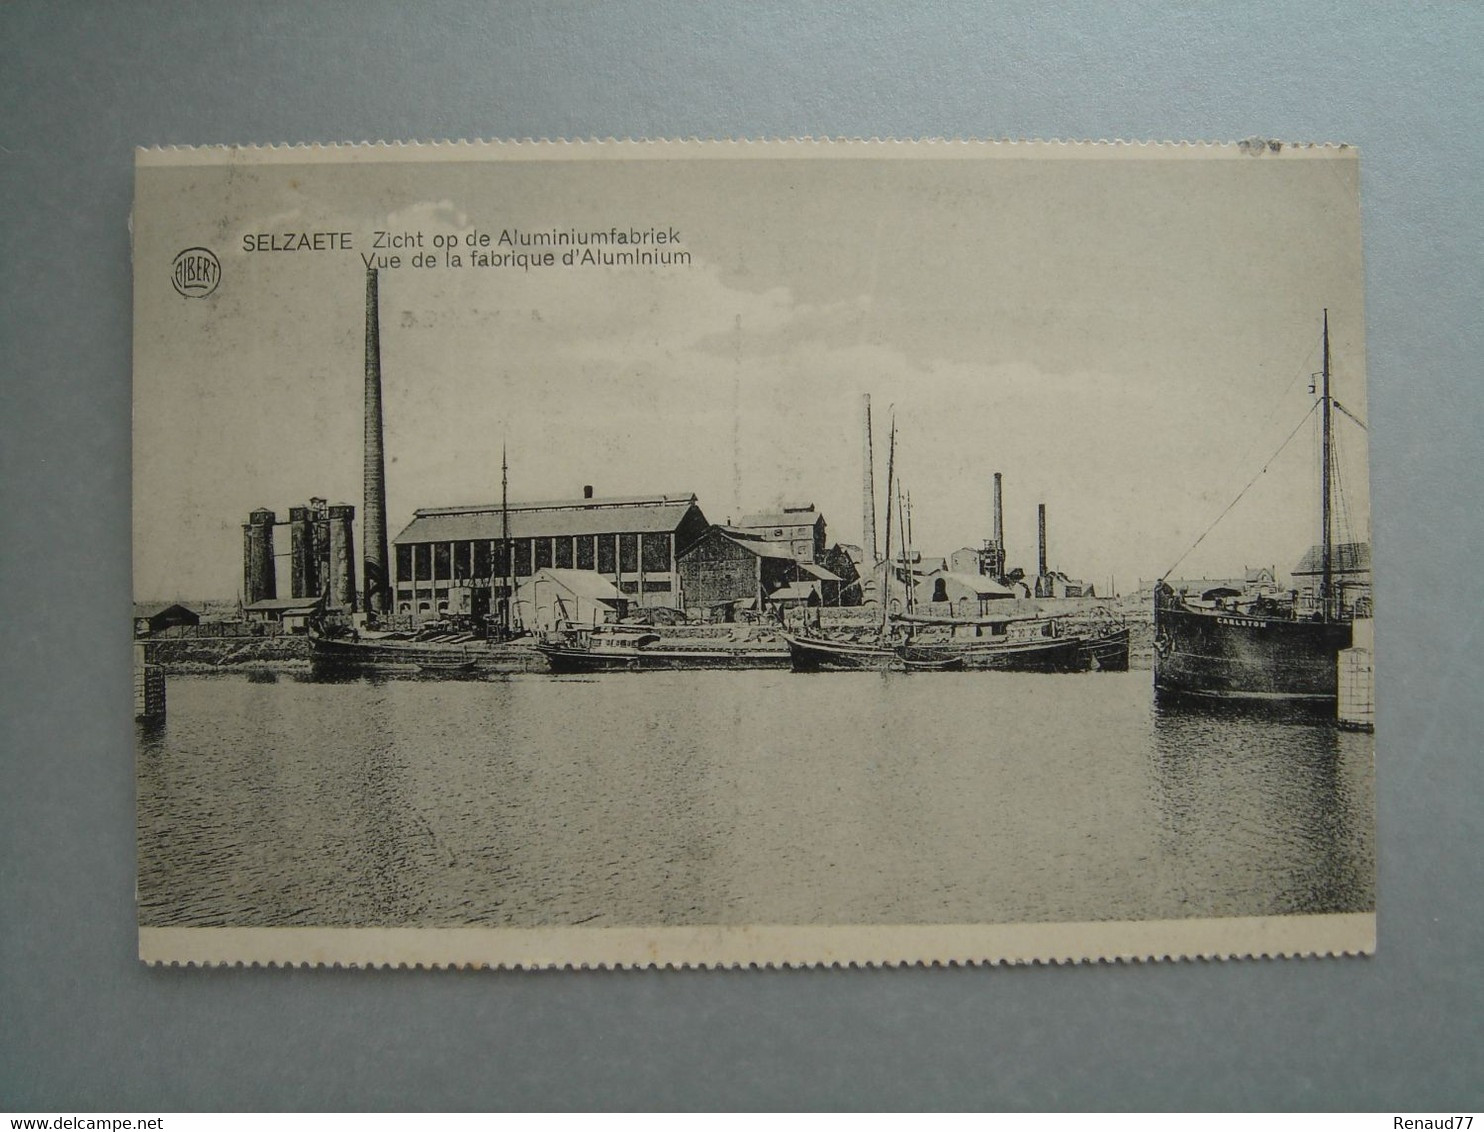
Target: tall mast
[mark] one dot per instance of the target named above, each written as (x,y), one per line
(890,567)
(909,580)
(868,486)
(1327,584)
(505,540)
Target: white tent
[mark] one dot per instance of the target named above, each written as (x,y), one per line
(576,597)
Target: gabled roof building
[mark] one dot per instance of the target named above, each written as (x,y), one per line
(633,541)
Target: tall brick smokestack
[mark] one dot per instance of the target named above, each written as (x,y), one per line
(999,513)
(1041,524)
(373,529)
(868,486)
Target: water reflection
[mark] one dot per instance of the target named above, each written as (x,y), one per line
(1269,802)
(737,797)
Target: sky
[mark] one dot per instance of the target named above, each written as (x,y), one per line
(1127,335)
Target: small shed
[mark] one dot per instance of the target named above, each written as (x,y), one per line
(575,597)
(150,619)
(293,613)
(796,594)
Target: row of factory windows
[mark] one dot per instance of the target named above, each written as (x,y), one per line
(484,558)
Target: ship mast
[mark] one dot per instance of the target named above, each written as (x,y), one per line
(889,567)
(505,617)
(1326,520)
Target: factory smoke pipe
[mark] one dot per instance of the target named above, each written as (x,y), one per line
(868,487)
(374,575)
(1041,523)
(999,513)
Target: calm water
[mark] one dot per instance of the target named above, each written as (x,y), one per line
(738,797)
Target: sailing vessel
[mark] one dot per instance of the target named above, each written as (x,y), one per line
(1269,650)
(629,648)
(370,650)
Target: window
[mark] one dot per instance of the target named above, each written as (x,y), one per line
(463,559)
(502,559)
(543,552)
(440,560)
(423,560)
(404,562)
(656,553)
(522,557)
(482,559)
(563,556)
(628,553)
(585,554)
(607,559)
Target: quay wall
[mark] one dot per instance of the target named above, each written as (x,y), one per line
(194,654)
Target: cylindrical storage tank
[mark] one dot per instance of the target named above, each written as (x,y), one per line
(303,577)
(342,586)
(261,581)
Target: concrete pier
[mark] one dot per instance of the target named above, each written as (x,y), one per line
(149,687)
(1356,708)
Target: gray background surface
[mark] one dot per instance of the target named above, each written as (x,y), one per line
(83,1027)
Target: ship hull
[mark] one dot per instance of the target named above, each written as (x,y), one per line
(1236,656)
(1106,653)
(566,659)
(334,653)
(819,654)
(1041,654)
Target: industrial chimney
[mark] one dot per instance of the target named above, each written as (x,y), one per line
(868,487)
(377,590)
(1041,524)
(999,513)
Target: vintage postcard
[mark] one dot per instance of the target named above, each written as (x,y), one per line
(790,553)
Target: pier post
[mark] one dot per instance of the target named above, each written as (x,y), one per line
(149,686)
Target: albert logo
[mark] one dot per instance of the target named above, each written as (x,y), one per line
(195,272)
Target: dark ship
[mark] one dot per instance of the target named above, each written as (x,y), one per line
(1266,650)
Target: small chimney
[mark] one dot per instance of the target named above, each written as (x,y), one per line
(587,491)
(1041,523)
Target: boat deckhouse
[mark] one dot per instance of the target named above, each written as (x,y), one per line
(452,559)
(1350,575)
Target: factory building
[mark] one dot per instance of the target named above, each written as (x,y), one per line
(453,560)
(798,527)
(728,567)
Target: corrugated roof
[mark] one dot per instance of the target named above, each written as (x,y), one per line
(584,583)
(147,610)
(282,604)
(1345,558)
(648,515)
(980,584)
(761,547)
(817,572)
(782,519)
(795,591)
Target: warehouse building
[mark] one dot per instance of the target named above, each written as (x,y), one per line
(453,560)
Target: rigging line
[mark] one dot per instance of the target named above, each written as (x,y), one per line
(1241,493)
(1349,414)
